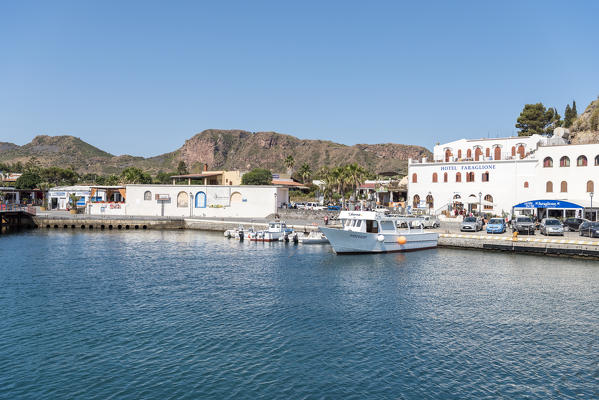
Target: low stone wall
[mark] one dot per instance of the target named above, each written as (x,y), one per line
(118,223)
(221,226)
(550,247)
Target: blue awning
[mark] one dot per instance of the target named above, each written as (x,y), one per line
(547,204)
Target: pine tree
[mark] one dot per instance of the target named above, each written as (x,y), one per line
(574,112)
(568,116)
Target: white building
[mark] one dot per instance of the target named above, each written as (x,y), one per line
(196,201)
(58,197)
(551,177)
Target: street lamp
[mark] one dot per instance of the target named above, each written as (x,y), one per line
(591,194)
(480,203)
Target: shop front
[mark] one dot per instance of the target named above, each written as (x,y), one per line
(549,209)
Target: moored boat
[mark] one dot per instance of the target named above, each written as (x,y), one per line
(276,230)
(373,232)
(314,237)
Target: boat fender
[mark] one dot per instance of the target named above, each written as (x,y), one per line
(380,238)
(402,240)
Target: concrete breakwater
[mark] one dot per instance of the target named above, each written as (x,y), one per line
(541,246)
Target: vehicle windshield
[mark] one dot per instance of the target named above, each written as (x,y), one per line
(469,219)
(552,222)
(594,224)
(524,219)
(496,221)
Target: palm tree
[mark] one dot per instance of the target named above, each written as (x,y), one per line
(305,172)
(289,163)
(355,175)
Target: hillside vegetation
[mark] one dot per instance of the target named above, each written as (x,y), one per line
(219,149)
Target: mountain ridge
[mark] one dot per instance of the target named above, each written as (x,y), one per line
(219,149)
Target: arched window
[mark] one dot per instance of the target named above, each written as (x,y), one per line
(416,201)
(469,176)
(597,160)
(489,202)
(564,161)
(414,178)
(236,197)
(445,177)
(488,152)
(434,177)
(485,176)
(147,195)
(469,153)
(521,150)
(513,151)
(182,200)
(477,153)
(460,154)
(549,187)
(581,161)
(497,153)
(548,162)
(447,155)
(563,187)
(430,201)
(526,185)
(590,186)
(200,201)
(458,177)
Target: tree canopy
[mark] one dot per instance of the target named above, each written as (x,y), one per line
(257,176)
(570,115)
(29,180)
(135,175)
(536,119)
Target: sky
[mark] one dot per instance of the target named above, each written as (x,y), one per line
(141,77)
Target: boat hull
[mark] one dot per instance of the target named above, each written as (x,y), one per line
(349,242)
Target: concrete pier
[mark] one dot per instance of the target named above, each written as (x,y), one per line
(543,246)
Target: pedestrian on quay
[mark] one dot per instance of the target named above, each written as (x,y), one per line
(326,219)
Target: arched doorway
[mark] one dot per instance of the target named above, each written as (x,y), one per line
(497,153)
(416,201)
(182,200)
(521,150)
(477,153)
(447,155)
(200,201)
(430,201)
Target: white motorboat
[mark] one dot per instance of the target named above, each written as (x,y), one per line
(314,237)
(238,233)
(373,232)
(276,230)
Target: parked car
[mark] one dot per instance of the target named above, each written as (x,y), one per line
(551,226)
(496,225)
(299,206)
(472,224)
(589,228)
(523,225)
(314,206)
(334,207)
(430,221)
(572,224)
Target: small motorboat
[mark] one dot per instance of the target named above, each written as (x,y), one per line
(238,233)
(314,237)
(276,231)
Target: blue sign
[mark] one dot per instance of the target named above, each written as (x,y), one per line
(547,204)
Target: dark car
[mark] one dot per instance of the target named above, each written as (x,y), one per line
(572,224)
(590,229)
(523,225)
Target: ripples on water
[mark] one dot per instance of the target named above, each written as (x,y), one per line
(192,315)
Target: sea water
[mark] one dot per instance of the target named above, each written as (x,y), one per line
(191,315)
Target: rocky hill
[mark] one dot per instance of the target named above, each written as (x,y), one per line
(219,149)
(586,127)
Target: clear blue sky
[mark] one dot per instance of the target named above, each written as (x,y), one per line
(141,77)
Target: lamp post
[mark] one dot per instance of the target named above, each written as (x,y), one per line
(480,203)
(591,195)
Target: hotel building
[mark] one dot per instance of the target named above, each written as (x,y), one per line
(543,176)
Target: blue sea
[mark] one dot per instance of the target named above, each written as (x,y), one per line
(191,315)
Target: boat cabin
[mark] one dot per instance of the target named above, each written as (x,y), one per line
(277,226)
(367,222)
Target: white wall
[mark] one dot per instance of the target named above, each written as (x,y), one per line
(255,201)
